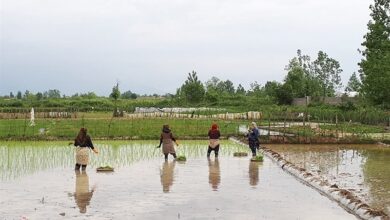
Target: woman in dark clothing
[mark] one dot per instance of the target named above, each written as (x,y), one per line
(167,140)
(253,138)
(214,136)
(82,143)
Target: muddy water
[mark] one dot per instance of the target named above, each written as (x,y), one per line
(365,170)
(37,182)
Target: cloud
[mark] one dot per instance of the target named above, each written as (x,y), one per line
(150,45)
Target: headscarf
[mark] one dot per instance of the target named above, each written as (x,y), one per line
(254,124)
(214,127)
(166,129)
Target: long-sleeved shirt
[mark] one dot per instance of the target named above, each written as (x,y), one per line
(253,137)
(86,143)
(214,134)
(162,136)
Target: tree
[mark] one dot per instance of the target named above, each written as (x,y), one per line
(327,71)
(52,93)
(255,89)
(39,96)
(284,94)
(375,64)
(240,90)
(88,95)
(26,94)
(297,81)
(115,93)
(301,78)
(19,95)
(354,84)
(212,84)
(134,96)
(129,95)
(226,87)
(271,88)
(192,90)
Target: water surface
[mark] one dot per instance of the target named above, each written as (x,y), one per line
(38,182)
(363,169)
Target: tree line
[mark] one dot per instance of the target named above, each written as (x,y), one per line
(318,77)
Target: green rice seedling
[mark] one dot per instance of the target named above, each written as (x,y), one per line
(181,158)
(258,158)
(240,154)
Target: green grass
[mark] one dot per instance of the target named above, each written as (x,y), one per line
(354,128)
(116,128)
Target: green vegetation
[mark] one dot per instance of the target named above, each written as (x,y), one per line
(181,158)
(192,91)
(105,168)
(116,128)
(355,129)
(367,113)
(257,158)
(375,65)
(354,84)
(240,154)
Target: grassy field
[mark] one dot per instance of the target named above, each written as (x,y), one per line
(102,125)
(112,128)
(354,128)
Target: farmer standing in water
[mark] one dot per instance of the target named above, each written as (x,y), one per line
(214,135)
(167,140)
(253,138)
(82,143)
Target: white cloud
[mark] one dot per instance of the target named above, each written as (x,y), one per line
(150,45)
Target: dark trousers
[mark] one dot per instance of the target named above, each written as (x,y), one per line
(253,149)
(254,145)
(166,156)
(83,167)
(216,151)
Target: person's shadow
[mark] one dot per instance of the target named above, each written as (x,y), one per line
(214,174)
(167,175)
(253,173)
(83,194)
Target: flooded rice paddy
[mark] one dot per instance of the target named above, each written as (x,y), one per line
(37,181)
(362,169)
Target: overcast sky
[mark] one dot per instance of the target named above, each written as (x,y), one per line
(150,45)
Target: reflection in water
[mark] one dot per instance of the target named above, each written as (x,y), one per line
(167,175)
(363,170)
(377,177)
(82,193)
(254,173)
(214,174)
(145,196)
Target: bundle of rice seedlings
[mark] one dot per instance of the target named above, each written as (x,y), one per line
(240,154)
(258,158)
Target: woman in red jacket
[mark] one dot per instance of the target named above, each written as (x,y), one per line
(214,136)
